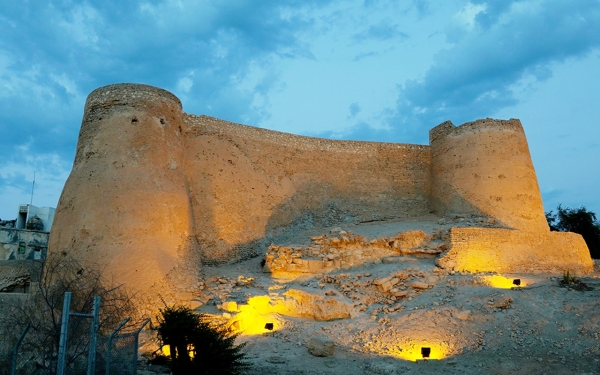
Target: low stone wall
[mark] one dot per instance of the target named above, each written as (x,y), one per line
(505,250)
(9,332)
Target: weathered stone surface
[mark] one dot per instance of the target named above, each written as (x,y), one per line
(462,315)
(346,251)
(400,294)
(397,259)
(321,347)
(315,306)
(17,275)
(410,240)
(484,168)
(386,284)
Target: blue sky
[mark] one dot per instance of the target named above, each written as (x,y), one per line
(354,69)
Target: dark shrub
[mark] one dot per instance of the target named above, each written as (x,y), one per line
(197,346)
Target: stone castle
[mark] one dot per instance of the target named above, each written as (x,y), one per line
(155,192)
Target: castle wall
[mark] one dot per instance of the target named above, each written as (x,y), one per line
(484,168)
(250,186)
(155,192)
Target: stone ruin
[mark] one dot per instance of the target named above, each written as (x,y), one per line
(156,192)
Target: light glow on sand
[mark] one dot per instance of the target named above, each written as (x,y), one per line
(501,282)
(253,317)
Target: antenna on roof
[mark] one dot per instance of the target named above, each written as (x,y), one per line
(32,186)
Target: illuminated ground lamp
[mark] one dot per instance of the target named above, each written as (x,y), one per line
(269,327)
(499,281)
(423,350)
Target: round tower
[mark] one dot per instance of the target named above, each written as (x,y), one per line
(125,206)
(484,168)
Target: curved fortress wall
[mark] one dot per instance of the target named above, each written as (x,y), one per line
(484,168)
(154,192)
(125,206)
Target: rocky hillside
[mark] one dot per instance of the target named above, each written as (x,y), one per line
(373,314)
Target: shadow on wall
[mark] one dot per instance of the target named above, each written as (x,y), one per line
(299,217)
(468,208)
(304,211)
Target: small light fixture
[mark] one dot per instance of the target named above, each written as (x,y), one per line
(269,326)
(425,352)
(517,282)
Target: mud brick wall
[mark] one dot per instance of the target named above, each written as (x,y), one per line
(506,250)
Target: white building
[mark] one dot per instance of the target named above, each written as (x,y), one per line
(27,236)
(28,212)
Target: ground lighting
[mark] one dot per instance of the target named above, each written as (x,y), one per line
(425,352)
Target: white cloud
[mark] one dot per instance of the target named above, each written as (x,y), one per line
(466,16)
(79,25)
(185,83)
(475,77)
(66,82)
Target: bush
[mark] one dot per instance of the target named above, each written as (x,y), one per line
(579,221)
(570,281)
(197,346)
(43,309)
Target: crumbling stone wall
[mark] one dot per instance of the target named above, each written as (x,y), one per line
(345,250)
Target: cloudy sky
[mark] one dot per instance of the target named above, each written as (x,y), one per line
(355,69)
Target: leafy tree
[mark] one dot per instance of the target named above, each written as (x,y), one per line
(197,346)
(580,221)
